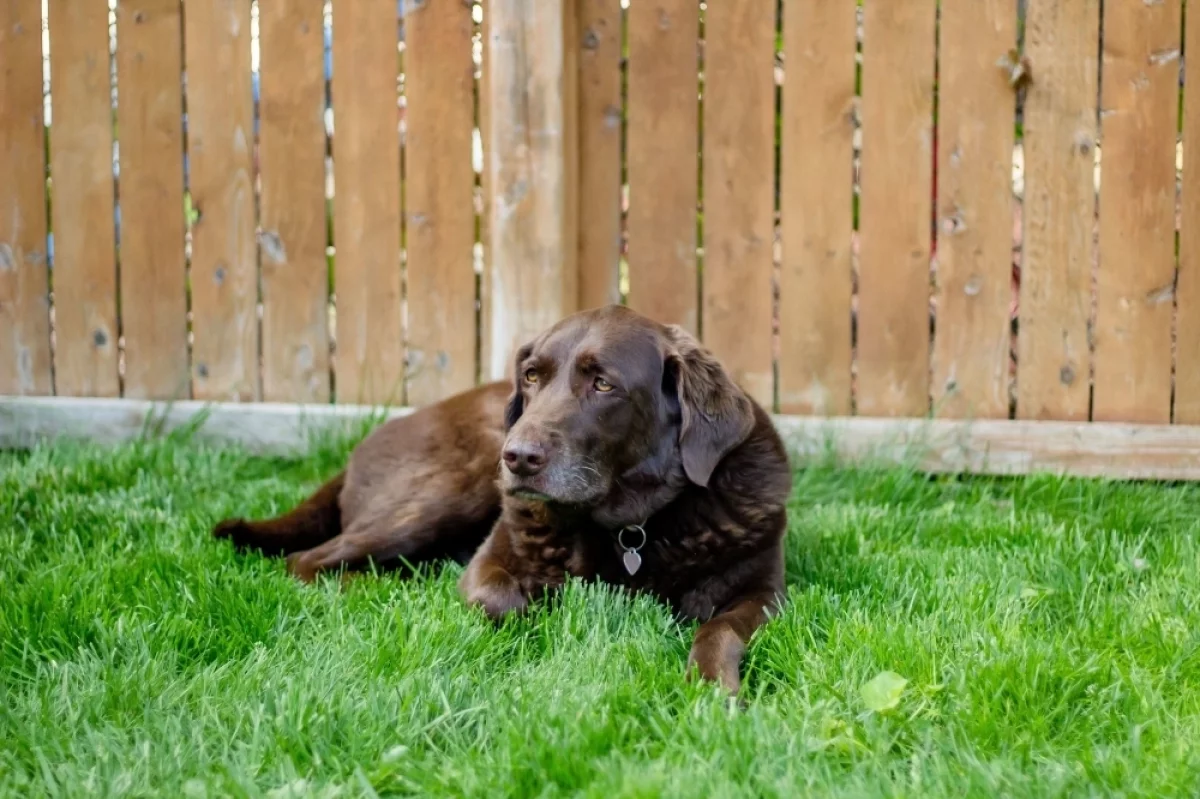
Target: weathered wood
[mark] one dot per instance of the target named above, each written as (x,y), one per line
(224,274)
(531,286)
(1135,288)
(369,361)
(439,90)
(262,427)
(484,104)
(153,272)
(816,207)
(597,37)
(976,103)
(663,115)
(1187,335)
(1053,354)
(895,208)
(81,165)
(295,280)
(1002,447)
(739,185)
(572,153)
(1158,452)
(24,293)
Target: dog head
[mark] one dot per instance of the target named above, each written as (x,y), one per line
(607,405)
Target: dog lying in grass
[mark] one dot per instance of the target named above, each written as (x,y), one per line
(625,454)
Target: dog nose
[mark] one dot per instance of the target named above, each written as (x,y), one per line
(524,458)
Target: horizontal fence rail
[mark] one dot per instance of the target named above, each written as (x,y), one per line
(892,208)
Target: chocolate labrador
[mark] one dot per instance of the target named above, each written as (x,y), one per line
(626,454)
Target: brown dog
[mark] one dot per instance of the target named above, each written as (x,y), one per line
(629,456)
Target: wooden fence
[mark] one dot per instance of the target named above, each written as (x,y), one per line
(884,208)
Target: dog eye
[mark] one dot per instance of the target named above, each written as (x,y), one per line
(531,376)
(602,385)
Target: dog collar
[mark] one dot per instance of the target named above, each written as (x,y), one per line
(631,559)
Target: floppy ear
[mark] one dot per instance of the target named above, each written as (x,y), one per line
(516,401)
(717,416)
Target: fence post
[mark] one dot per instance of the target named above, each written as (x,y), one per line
(532,276)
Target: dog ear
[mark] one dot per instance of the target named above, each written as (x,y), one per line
(516,400)
(716,415)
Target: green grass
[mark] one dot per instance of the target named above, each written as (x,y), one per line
(1048,631)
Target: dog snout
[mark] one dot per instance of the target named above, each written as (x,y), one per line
(524,458)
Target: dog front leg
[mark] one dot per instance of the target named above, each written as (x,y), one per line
(488,584)
(721,641)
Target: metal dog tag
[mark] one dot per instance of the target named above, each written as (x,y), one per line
(631,558)
(632,561)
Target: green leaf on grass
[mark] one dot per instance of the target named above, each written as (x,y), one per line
(883,692)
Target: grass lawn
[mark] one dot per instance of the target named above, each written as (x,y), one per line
(1045,634)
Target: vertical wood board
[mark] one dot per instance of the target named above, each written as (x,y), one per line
(532,287)
(816,207)
(369,361)
(150,124)
(24,293)
(572,152)
(295,283)
(440,214)
(661,159)
(597,37)
(1187,355)
(1135,287)
(1058,215)
(976,104)
(739,184)
(484,104)
(895,208)
(224,273)
(81,166)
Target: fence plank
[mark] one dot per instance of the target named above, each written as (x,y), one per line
(599,40)
(663,114)
(895,208)
(369,362)
(739,191)
(153,276)
(1137,212)
(295,280)
(439,88)
(224,275)
(976,106)
(24,294)
(571,149)
(485,224)
(816,207)
(1187,337)
(532,286)
(1058,248)
(81,164)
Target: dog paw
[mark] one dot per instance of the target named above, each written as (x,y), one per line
(715,658)
(497,599)
(301,568)
(233,529)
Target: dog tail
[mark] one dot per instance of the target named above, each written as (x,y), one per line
(312,522)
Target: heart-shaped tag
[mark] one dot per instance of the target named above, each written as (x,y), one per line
(632,561)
